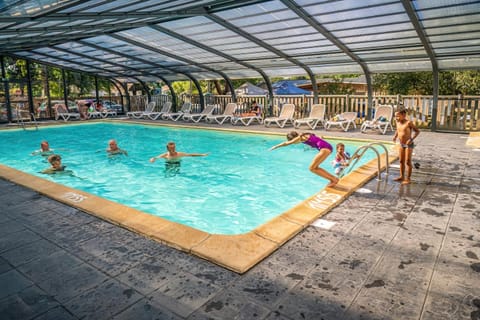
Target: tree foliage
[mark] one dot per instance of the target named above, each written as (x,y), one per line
(450,83)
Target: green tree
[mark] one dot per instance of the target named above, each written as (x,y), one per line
(450,83)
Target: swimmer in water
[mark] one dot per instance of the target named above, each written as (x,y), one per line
(56,164)
(44,149)
(113,148)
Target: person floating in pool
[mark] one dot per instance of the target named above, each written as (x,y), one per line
(44,149)
(324,149)
(172,155)
(113,148)
(55,161)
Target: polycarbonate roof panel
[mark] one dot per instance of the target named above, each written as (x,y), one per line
(213,38)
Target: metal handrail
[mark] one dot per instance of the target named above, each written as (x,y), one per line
(361,151)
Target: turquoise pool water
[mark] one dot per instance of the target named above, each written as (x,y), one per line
(237,187)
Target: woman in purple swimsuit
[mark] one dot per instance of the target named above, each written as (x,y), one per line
(324,149)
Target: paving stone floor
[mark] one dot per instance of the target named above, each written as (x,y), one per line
(397,252)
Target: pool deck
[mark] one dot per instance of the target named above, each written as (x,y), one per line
(387,252)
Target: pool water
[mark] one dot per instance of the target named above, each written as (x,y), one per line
(237,187)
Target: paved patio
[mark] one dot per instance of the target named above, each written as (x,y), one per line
(387,252)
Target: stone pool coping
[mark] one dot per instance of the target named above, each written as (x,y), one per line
(238,253)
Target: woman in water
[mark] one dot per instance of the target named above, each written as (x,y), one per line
(324,149)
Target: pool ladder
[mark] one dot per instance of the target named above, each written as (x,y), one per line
(361,151)
(22,123)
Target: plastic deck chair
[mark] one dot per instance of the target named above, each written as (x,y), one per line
(197,117)
(186,109)
(139,114)
(247,120)
(343,120)
(227,114)
(381,121)
(286,115)
(316,116)
(154,115)
(62,112)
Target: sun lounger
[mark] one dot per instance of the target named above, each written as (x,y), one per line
(154,115)
(186,109)
(286,115)
(316,116)
(197,117)
(227,114)
(381,121)
(139,114)
(62,112)
(247,120)
(343,120)
(107,112)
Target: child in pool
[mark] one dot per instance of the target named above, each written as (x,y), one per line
(324,149)
(56,164)
(342,159)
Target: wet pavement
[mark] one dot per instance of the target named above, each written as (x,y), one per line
(389,251)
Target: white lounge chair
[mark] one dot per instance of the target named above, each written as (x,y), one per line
(285,116)
(154,115)
(227,114)
(381,121)
(62,112)
(186,109)
(197,117)
(106,112)
(316,116)
(94,114)
(139,114)
(343,120)
(247,120)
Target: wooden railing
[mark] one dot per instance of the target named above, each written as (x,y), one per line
(454,113)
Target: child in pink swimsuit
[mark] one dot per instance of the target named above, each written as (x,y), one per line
(324,149)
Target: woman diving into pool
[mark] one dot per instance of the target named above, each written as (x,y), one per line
(324,149)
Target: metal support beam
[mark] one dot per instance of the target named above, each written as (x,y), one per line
(29,88)
(7,89)
(65,87)
(145,87)
(412,15)
(96,89)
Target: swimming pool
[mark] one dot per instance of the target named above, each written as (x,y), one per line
(237,187)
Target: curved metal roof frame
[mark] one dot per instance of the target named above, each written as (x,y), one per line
(176,40)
